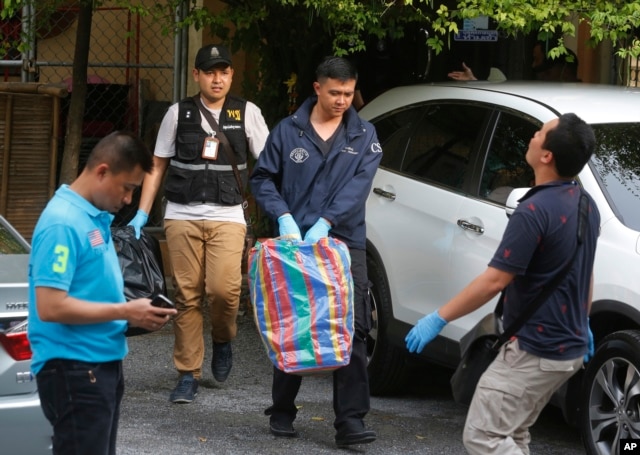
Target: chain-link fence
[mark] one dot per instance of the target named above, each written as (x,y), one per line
(130,74)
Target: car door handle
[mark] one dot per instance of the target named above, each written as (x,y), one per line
(385,194)
(470,227)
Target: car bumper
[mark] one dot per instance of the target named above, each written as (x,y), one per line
(23,426)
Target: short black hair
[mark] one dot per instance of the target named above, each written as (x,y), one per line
(572,143)
(336,68)
(122,151)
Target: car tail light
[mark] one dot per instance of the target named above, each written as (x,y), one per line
(16,343)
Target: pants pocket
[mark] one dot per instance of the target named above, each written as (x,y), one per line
(495,402)
(560,366)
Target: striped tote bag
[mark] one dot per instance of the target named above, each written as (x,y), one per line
(302,298)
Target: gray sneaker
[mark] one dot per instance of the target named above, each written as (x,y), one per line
(186,390)
(222,361)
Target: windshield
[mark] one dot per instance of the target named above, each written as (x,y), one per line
(617,165)
(9,241)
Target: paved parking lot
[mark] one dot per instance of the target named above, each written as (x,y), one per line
(228,418)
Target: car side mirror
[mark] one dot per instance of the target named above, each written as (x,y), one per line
(513,199)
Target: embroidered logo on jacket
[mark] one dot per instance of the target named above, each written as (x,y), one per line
(349,150)
(299,155)
(376,148)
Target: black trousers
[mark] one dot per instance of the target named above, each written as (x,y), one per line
(351,382)
(82,402)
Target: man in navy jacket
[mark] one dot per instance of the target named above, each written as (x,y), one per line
(314,177)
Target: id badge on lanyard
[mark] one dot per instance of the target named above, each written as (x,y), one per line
(210,148)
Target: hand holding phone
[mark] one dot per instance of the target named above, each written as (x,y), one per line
(161,301)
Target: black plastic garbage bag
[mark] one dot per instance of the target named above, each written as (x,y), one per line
(141,265)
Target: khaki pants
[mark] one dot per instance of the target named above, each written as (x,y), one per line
(509,398)
(206,258)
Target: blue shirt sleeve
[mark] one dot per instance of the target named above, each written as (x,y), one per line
(57,250)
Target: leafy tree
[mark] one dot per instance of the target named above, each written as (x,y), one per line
(287,36)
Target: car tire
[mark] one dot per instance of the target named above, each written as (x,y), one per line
(387,366)
(611,394)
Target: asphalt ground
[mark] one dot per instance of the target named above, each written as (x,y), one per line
(227,418)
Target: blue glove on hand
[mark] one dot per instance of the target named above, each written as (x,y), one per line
(318,231)
(138,222)
(424,331)
(591,347)
(288,227)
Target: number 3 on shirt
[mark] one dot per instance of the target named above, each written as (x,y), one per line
(62,255)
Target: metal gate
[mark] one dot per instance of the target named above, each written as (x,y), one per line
(131,77)
(131,63)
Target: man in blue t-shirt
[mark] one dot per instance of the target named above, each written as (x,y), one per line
(77,309)
(542,234)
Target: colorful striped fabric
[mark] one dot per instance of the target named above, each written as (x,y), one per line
(302,296)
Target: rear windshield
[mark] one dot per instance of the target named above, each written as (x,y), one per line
(617,165)
(9,244)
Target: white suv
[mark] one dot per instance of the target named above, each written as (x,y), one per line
(452,153)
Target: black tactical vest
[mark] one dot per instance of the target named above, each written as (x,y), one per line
(193,179)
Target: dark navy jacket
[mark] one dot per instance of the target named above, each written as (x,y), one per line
(292,175)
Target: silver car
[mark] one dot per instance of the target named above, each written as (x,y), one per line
(452,155)
(23,427)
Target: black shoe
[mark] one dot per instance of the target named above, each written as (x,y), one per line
(186,390)
(222,361)
(361,437)
(282,429)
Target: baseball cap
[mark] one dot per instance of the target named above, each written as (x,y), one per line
(211,55)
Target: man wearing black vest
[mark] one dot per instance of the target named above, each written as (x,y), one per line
(200,140)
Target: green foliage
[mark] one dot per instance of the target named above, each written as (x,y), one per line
(346,23)
(614,20)
(290,36)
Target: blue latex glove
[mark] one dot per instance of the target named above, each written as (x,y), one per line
(424,331)
(138,222)
(288,227)
(318,231)
(589,355)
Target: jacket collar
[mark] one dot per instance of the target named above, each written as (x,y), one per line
(351,120)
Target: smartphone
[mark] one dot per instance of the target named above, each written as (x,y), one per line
(162,302)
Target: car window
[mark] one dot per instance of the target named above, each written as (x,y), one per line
(505,166)
(441,145)
(393,132)
(9,244)
(617,165)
